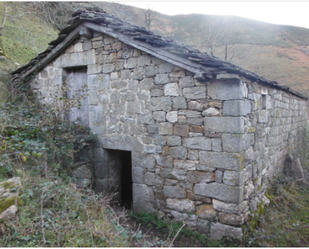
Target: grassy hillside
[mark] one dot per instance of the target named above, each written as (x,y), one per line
(24,36)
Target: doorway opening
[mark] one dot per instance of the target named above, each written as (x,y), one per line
(120,176)
(126,179)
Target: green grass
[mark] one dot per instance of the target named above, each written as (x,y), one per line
(285,221)
(23,38)
(71,217)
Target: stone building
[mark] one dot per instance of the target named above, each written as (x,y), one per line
(179,131)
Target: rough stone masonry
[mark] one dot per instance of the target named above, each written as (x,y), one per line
(202,152)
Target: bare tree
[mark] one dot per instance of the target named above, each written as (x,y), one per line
(211,35)
(220,38)
(150,15)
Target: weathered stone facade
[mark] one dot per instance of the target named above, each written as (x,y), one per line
(203,152)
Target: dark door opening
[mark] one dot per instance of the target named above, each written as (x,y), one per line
(126,179)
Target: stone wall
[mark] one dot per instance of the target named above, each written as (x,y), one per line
(204,153)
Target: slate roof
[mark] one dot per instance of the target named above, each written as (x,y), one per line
(137,33)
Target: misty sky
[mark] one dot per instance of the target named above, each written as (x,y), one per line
(286,13)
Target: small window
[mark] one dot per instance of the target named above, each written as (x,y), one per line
(264,101)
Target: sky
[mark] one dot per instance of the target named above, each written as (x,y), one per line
(285,13)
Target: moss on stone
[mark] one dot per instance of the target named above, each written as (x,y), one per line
(7,185)
(5,203)
(254,220)
(251,129)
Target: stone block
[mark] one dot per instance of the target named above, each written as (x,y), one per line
(199,198)
(159,116)
(203,226)
(157,61)
(143,60)
(119,84)
(230,207)
(143,198)
(174,192)
(218,176)
(263,116)
(187,81)
(153,129)
(171,89)
(181,130)
(226,90)
(133,107)
(222,160)
(138,73)
(196,129)
(101,170)
(166,68)
(122,142)
(179,216)
(197,106)
(146,84)
(193,155)
(190,114)
(231,178)
(218,231)
(83,171)
(232,219)
(166,128)
(200,177)
(236,107)
(156,93)
(161,104)
(225,124)
(195,121)
(216,145)
(125,74)
(150,178)
(198,143)
(237,142)
(173,141)
(165,161)
(220,191)
(98,81)
(185,164)
(137,175)
(172,116)
(151,71)
(131,63)
(211,112)
(181,205)
(108,68)
(174,174)
(198,92)
(179,103)
(206,211)
(161,79)
(178,152)
(205,168)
